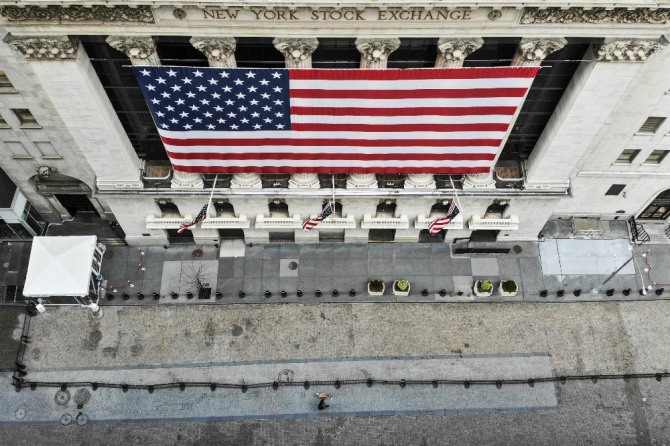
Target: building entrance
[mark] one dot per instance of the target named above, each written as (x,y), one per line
(659,209)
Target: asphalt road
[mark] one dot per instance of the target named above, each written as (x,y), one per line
(602,413)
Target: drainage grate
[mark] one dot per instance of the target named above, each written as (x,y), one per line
(20,413)
(293,266)
(62,397)
(95,336)
(197,254)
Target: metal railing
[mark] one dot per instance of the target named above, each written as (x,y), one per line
(637,232)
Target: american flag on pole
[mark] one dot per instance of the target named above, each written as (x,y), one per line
(310,224)
(440,223)
(449,121)
(198,218)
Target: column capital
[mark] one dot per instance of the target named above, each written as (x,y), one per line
(452,52)
(43,48)
(220,51)
(187,180)
(296,51)
(531,52)
(362,180)
(304,181)
(630,50)
(420,181)
(140,50)
(246,181)
(375,52)
(479,181)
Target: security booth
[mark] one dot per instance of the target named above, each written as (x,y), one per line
(65,267)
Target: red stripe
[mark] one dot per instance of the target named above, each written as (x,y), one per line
(407,111)
(398,170)
(481,127)
(332,156)
(410,94)
(432,73)
(251,142)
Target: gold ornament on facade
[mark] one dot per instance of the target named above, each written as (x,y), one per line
(139,14)
(535,16)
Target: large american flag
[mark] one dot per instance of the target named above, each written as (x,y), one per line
(449,121)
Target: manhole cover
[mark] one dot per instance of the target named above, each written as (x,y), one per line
(517,249)
(197,253)
(66,419)
(293,266)
(108,254)
(20,413)
(81,397)
(237,330)
(62,397)
(82,419)
(95,336)
(285,375)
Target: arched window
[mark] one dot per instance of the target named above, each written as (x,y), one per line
(659,208)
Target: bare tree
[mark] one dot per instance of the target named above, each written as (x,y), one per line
(197,276)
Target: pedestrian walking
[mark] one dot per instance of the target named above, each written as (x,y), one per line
(322,404)
(323,396)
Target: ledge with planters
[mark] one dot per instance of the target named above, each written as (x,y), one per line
(484,288)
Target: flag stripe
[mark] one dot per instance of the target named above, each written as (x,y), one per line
(378,75)
(334,142)
(393,104)
(385,120)
(325,156)
(208,151)
(251,167)
(392,128)
(407,111)
(341,163)
(408,94)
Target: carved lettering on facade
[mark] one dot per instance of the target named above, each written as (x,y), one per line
(335,15)
(535,16)
(141,14)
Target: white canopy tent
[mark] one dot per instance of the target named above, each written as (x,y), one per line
(63,266)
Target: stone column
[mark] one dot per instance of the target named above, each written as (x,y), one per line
(296,51)
(452,52)
(420,181)
(375,52)
(246,181)
(598,93)
(140,50)
(479,181)
(69,80)
(304,181)
(362,181)
(531,52)
(220,51)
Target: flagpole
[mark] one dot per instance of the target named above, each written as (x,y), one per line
(211,195)
(455,194)
(332,176)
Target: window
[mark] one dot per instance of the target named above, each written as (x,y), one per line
(615,189)
(47,150)
(5,85)
(627,156)
(18,150)
(651,125)
(168,208)
(3,123)
(656,157)
(26,118)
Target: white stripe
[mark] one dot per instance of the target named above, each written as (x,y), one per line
(424,119)
(409,84)
(330,163)
(372,136)
(405,103)
(332,149)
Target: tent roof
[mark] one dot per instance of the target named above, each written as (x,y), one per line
(60,266)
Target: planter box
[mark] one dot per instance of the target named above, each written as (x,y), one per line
(481,293)
(376,293)
(397,292)
(505,293)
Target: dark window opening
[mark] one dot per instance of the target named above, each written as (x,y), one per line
(615,189)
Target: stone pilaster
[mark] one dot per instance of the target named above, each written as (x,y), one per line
(420,181)
(186,180)
(304,181)
(375,52)
(220,51)
(531,52)
(452,52)
(296,51)
(140,50)
(68,79)
(246,181)
(629,50)
(362,181)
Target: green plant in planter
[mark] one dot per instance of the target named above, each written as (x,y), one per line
(509,286)
(484,286)
(402,285)
(376,286)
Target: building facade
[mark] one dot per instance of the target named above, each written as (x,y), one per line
(590,140)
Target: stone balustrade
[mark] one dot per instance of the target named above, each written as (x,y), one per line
(226,222)
(154,222)
(422,222)
(263,222)
(502,224)
(370,222)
